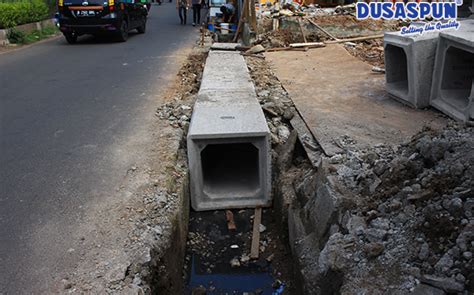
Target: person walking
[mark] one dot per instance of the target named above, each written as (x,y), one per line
(182,6)
(196,11)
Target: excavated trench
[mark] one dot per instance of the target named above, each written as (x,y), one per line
(207,256)
(319,237)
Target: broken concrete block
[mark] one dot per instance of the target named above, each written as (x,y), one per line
(453,86)
(423,289)
(225,46)
(409,63)
(228,139)
(256,49)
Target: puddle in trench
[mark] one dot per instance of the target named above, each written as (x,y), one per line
(211,247)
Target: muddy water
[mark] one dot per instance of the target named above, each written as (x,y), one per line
(218,259)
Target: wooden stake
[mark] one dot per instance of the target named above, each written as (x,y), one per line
(230,220)
(256,233)
(322,30)
(302,31)
(253,16)
(241,20)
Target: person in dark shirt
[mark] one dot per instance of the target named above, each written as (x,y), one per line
(228,12)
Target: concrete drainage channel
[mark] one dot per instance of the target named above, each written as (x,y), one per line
(220,225)
(230,167)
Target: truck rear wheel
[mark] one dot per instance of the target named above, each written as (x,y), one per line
(122,33)
(71,38)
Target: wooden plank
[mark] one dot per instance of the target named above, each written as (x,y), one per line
(309,45)
(355,39)
(284,49)
(310,145)
(257,219)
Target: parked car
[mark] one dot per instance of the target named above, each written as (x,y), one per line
(117,17)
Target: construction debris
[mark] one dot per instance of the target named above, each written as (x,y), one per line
(402,217)
(178,111)
(312,24)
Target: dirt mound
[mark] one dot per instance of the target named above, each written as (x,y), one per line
(278,38)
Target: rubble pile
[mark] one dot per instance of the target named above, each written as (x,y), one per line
(405,222)
(295,9)
(191,74)
(370,51)
(178,111)
(275,102)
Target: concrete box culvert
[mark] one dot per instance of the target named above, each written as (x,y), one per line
(409,63)
(228,139)
(453,78)
(397,75)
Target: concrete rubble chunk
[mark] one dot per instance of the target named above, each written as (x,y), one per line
(447,284)
(423,289)
(256,49)
(409,62)
(228,139)
(453,86)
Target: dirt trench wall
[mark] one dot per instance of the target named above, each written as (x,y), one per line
(168,278)
(314,207)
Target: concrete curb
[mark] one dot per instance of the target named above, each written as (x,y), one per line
(26,28)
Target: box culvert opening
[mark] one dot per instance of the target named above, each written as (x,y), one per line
(397,68)
(230,167)
(457,78)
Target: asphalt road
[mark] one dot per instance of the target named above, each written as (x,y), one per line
(63,110)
